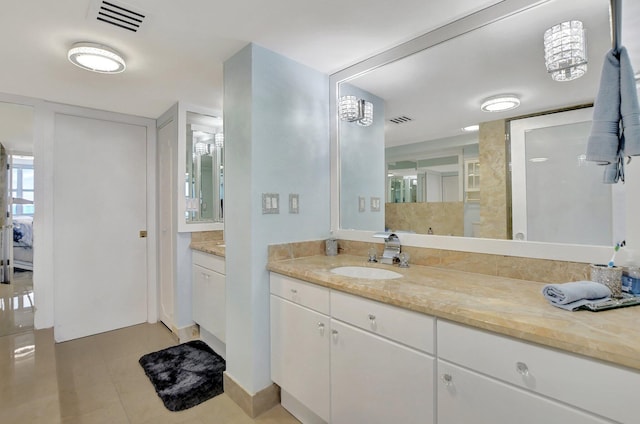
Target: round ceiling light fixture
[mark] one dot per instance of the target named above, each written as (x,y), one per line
(97,58)
(471,128)
(500,103)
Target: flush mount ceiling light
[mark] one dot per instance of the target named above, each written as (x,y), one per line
(352,109)
(471,128)
(500,103)
(565,51)
(97,58)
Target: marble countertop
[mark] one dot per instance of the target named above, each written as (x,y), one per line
(503,305)
(216,247)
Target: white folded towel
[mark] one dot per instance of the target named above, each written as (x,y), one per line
(571,296)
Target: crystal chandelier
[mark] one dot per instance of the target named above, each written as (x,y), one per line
(565,51)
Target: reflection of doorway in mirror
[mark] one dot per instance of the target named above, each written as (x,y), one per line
(557,197)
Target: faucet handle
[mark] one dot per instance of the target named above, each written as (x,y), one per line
(404,260)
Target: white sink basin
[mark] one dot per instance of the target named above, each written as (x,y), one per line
(366,272)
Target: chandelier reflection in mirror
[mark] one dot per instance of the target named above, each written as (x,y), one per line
(352,109)
(565,51)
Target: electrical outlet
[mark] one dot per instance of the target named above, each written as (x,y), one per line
(294,203)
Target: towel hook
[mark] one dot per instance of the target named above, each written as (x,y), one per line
(616,23)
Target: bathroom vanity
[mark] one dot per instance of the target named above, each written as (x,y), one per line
(208,293)
(443,346)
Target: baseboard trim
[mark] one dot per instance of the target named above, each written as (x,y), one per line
(252,405)
(188,333)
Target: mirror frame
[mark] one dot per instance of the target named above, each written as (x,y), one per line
(552,251)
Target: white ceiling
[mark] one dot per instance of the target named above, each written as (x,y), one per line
(180,50)
(442,88)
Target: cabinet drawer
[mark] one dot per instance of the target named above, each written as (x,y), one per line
(408,327)
(604,389)
(300,292)
(205,260)
(468,397)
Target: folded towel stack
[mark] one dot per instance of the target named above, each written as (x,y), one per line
(572,296)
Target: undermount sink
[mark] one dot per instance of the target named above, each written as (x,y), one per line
(366,272)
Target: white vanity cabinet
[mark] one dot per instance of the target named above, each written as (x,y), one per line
(485,377)
(382,368)
(208,293)
(300,346)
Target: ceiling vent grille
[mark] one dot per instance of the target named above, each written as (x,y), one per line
(401,119)
(117,14)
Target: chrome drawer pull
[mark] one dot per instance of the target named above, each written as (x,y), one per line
(321,328)
(522,368)
(447,379)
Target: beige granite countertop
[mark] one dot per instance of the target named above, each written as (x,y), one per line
(503,305)
(215,247)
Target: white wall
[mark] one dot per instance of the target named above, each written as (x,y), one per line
(276,115)
(362,166)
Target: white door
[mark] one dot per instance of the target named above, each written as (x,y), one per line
(558,197)
(100,258)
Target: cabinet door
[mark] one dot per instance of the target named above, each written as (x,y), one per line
(467,397)
(208,301)
(300,354)
(374,380)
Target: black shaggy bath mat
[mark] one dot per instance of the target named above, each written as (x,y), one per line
(185,375)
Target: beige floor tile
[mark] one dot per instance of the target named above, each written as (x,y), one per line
(277,415)
(83,400)
(112,413)
(98,379)
(40,411)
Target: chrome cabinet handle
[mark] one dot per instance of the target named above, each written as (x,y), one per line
(321,328)
(522,369)
(447,379)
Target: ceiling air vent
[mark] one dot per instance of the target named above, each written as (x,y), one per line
(117,14)
(401,119)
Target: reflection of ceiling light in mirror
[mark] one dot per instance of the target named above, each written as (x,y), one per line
(538,160)
(565,51)
(96,58)
(500,103)
(471,128)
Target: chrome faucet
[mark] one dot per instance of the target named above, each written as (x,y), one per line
(391,253)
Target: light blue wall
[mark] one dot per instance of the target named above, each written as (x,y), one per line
(362,166)
(276,114)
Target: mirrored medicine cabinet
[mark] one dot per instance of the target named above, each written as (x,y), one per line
(201,178)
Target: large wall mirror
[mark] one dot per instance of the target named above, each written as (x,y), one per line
(436,178)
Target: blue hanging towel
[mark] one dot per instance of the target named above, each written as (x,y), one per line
(615,132)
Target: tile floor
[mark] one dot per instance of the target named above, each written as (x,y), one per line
(98,379)
(16,304)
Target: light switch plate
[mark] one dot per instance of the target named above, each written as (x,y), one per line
(270,203)
(362,202)
(294,203)
(375,204)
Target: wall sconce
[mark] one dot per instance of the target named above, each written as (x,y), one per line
(565,51)
(201,148)
(218,139)
(352,109)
